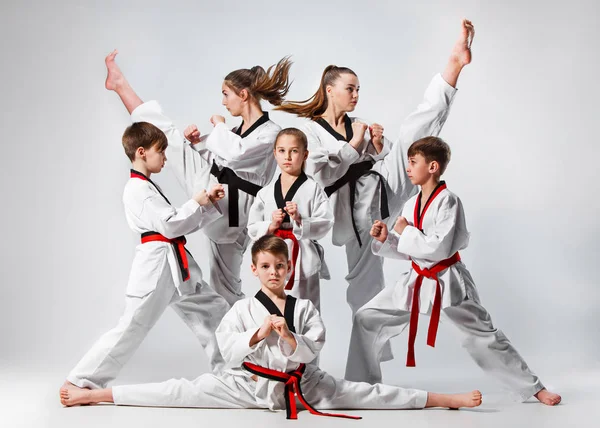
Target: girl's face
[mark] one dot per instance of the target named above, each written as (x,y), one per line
(232,101)
(289,154)
(343,94)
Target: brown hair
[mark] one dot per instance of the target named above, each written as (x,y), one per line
(271,85)
(293,132)
(269,244)
(432,149)
(316,105)
(143,134)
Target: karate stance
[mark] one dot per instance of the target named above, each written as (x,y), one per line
(240,159)
(267,341)
(363,172)
(430,233)
(163,273)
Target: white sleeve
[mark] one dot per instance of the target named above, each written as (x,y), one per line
(427,120)
(320,221)
(233,339)
(258,219)
(389,248)
(309,342)
(202,150)
(172,222)
(181,158)
(324,166)
(437,245)
(238,153)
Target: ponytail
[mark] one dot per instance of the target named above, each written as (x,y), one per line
(271,85)
(316,105)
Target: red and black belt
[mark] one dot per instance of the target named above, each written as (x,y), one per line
(289,234)
(292,389)
(179,247)
(431,273)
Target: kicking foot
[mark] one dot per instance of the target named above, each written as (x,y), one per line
(115,78)
(461,53)
(468,399)
(548,398)
(75,396)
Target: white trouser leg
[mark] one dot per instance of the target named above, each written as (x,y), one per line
(207,391)
(202,312)
(365,278)
(308,288)
(225,263)
(374,325)
(491,349)
(103,362)
(331,393)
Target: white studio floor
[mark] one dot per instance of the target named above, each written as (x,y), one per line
(31,400)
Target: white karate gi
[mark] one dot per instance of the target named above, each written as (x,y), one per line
(317,220)
(156,282)
(388,314)
(249,155)
(329,158)
(234,388)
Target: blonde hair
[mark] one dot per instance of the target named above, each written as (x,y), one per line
(316,105)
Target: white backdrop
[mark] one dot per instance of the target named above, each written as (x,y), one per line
(521,130)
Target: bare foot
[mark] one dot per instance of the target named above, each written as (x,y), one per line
(548,398)
(468,399)
(461,53)
(115,78)
(454,401)
(74,396)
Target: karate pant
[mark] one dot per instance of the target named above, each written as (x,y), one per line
(202,311)
(365,279)
(228,391)
(225,263)
(308,288)
(379,320)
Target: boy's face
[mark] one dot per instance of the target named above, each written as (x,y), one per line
(154,158)
(419,170)
(271,270)
(344,92)
(232,101)
(289,154)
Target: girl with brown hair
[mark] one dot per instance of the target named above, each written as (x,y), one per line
(363,172)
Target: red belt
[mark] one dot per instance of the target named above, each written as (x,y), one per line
(178,246)
(431,273)
(289,234)
(292,386)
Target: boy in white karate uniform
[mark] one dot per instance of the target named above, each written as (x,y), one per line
(296,209)
(267,341)
(430,232)
(239,158)
(163,273)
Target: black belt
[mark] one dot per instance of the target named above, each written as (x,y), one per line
(356,171)
(235,184)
